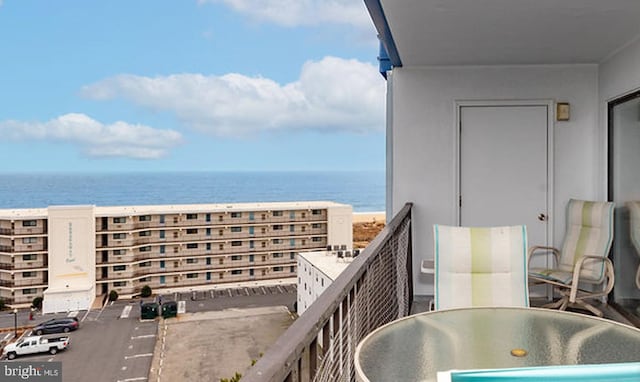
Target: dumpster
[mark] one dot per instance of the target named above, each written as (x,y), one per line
(169,309)
(149,310)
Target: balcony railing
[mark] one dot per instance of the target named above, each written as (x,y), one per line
(375,289)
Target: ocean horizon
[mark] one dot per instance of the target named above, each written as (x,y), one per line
(364,190)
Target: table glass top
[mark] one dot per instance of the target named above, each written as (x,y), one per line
(415,348)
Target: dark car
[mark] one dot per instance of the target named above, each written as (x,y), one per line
(56,325)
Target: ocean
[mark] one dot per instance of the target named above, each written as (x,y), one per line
(364,190)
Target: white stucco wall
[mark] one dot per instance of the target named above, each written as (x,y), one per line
(423,121)
(72,259)
(340,226)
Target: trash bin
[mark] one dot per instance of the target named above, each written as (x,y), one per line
(169,309)
(149,310)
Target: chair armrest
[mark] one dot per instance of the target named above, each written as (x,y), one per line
(427,267)
(576,275)
(533,249)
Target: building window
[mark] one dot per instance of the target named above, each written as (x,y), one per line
(251,217)
(119,236)
(208,246)
(316,239)
(162,263)
(236,272)
(29,240)
(292,228)
(251,244)
(220,232)
(144,233)
(264,244)
(236,257)
(303,215)
(263,216)
(321,282)
(192,261)
(278,255)
(162,280)
(162,249)
(221,247)
(277,227)
(145,264)
(292,269)
(119,252)
(236,243)
(192,275)
(277,213)
(277,269)
(192,216)
(316,212)
(292,255)
(29,274)
(221,261)
(251,258)
(161,233)
(119,220)
(263,230)
(29,223)
(220,217)
(120,284)
(207,217)
(29,257)
(292,215)
(144,218)
(192,231)
(277,241)
(192,245)
(292,242)
(302,242)
(315,225)
(145,279)
(29,291)
(208,231)
(145,248)
(236,229)
(119,268)
(236,214)
(161,219)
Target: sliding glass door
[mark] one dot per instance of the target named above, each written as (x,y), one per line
(624,187)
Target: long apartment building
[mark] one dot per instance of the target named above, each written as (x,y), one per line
(71,254)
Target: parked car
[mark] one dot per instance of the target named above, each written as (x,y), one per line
(36,344)
(57,325)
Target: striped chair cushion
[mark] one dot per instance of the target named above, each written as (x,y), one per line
(589,233)
(478,266)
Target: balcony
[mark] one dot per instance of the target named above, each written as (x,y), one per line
(375,289)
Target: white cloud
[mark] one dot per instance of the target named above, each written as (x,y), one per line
(331,94)
(302,12)
(119,139)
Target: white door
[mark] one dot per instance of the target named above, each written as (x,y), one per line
(503,174)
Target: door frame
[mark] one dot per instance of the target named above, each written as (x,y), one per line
(549,104)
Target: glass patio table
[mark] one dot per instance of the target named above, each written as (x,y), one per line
(415,348)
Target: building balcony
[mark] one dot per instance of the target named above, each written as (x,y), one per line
(375,289)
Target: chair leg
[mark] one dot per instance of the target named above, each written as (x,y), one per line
(564,300)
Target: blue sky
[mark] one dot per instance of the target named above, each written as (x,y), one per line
(197,85)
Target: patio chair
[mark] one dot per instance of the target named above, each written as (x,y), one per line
(480,266)
(583,258)
(634,228)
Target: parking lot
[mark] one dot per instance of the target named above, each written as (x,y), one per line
(113,344)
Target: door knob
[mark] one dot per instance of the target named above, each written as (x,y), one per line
(542,217)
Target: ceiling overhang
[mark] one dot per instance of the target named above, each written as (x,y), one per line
(504,32)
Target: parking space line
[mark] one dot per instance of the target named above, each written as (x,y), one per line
(143,336)
(125,311)
(132,379)
(138,356)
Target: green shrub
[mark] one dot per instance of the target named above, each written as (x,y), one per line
(37,302)
(113,295)
(146,291)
